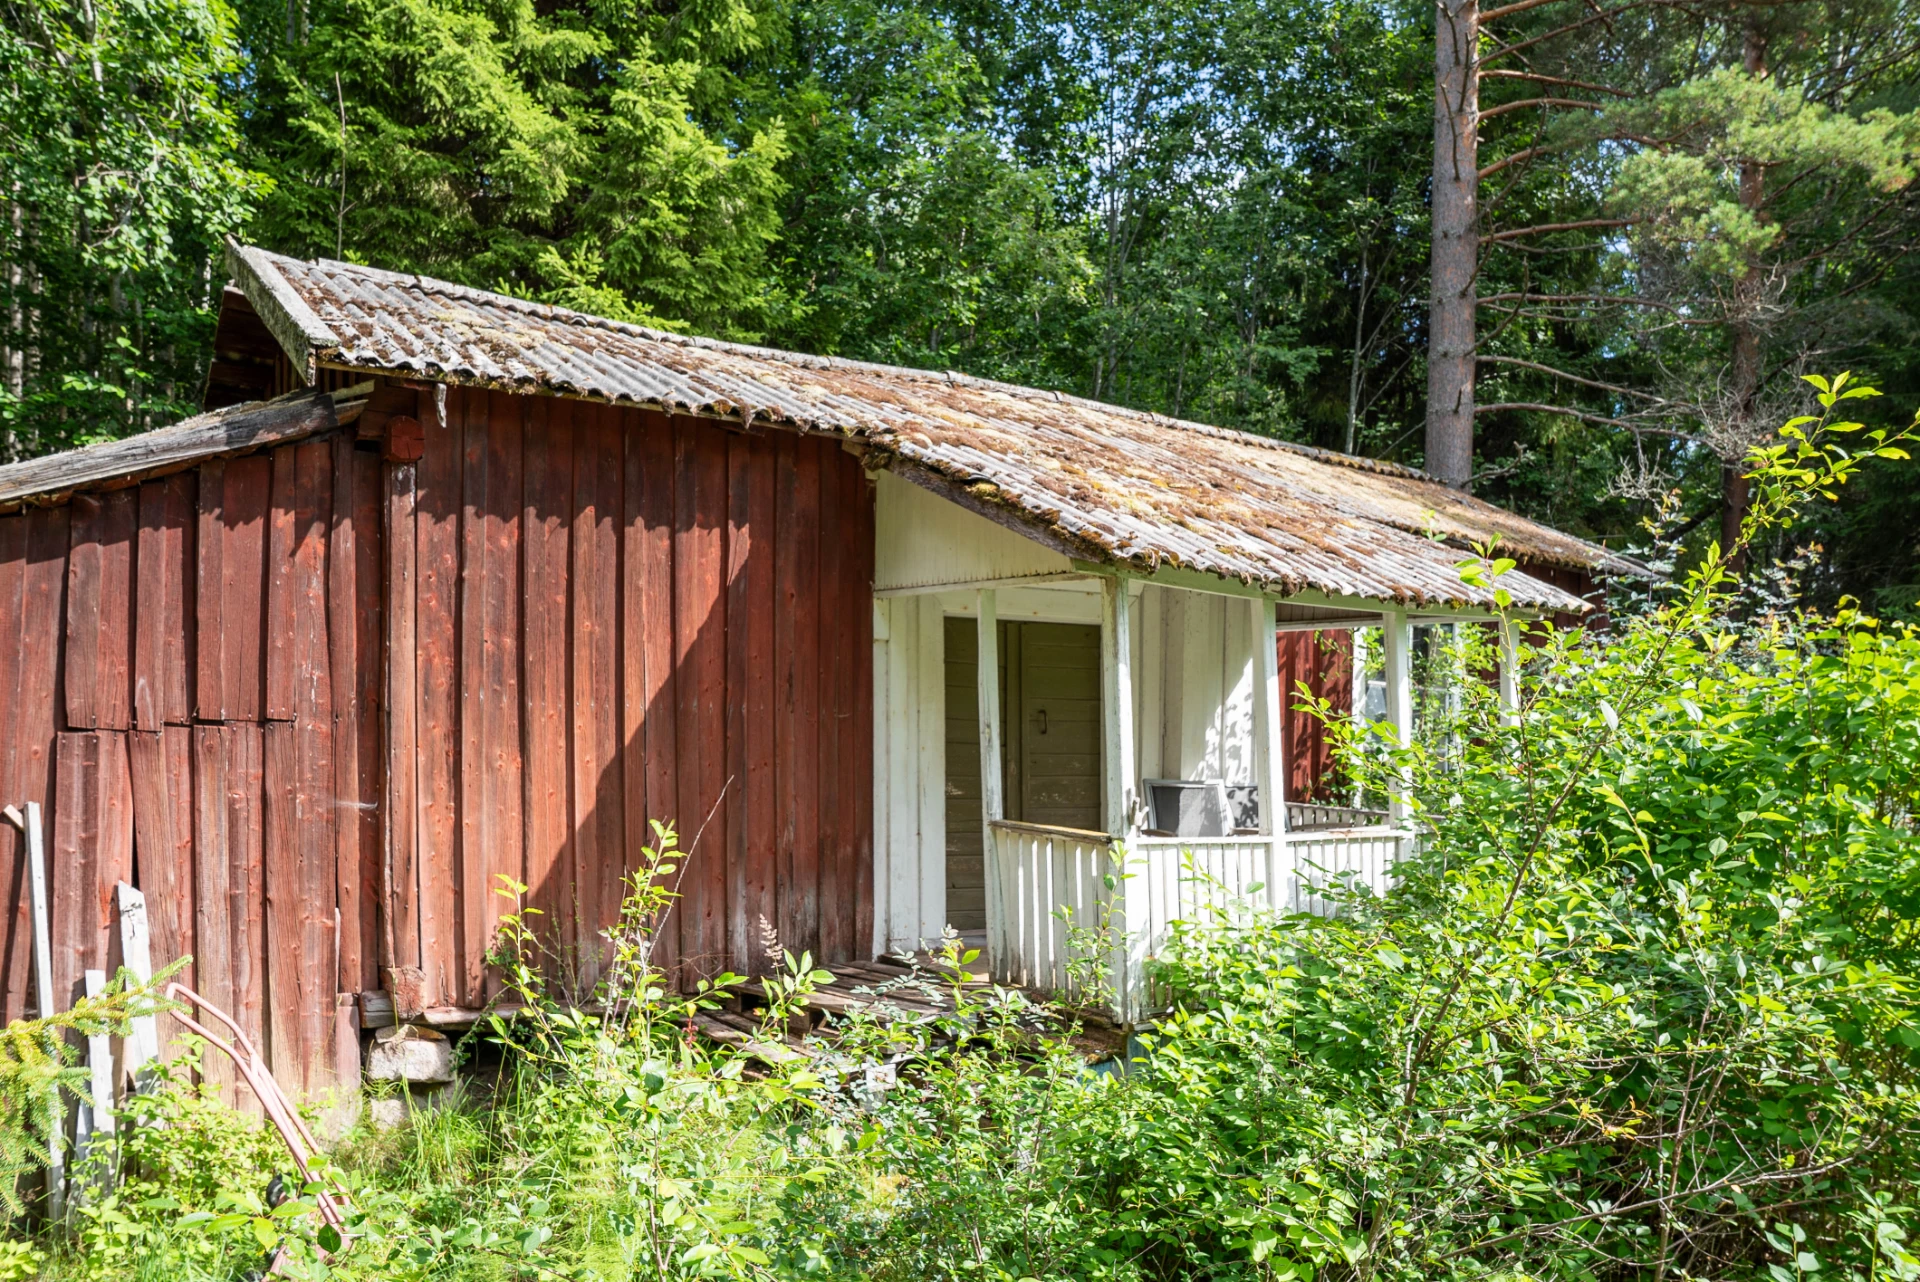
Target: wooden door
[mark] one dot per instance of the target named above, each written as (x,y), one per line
(1052,716)
(1050,711)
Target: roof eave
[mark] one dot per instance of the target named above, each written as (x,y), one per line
(302,335)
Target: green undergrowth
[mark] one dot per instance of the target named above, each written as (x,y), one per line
(1642,1006)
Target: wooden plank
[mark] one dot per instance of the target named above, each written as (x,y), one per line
(223,431)
(506,784)
(1396,635)
(993,803)
(299,909)
(213,903)
(804,527)
(161,766)
(700,477)
(345,656)
(163,626)
(238,602)
(209,575)
(492,838)
(760,901)
(243,566)
(244,745)
(1269,721)
(92,850)
(1122,778)
(546,518)
(136,953)
(444,529)
(369,677)
(479,821)
(785,715)
(99,601)
(650,641)
(598,806)
(285,1047)
(399,882)
(350,646)
(836,872)
(279,639)
(37,703)
(903,775)
(741,955)
(861,728)
(316,812)
(15,952)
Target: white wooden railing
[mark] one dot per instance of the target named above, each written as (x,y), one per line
(1037,871)
(1312,816)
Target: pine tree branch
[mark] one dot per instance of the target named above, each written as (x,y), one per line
(1598,15)
(1514,158)
(1623,300)
(1567,410)
(1541,78)
(1508,10)
(1522,103)
(1528,153)
(1542,229)
(1615,388)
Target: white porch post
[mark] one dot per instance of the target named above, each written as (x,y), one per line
(1397,637)
(993,803)
(1131,919)
(1269,738)
(1510,670)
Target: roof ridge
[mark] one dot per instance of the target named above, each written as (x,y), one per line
(803,360)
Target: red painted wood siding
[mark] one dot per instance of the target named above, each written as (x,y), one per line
(168,681)
(618,618)
(234,687)
(1323,661)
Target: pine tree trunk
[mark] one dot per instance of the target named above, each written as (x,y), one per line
(1456,240)
(1734,487)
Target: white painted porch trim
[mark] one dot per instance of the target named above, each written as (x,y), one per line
(1396,632)
(1132,910)
(993,802)
(1269,722)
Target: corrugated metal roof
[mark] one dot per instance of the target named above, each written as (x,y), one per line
(1110,484)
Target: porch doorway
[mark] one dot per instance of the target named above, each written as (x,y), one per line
(1050,712)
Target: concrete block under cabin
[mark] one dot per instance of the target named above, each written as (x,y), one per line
(488,586)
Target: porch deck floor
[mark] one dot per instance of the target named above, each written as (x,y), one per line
(891,992)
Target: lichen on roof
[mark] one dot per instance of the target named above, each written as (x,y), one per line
(1135,489)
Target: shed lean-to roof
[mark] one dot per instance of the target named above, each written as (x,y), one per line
(234,430)
(1108,484)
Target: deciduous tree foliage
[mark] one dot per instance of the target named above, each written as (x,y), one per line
(1223,212)
(119,173)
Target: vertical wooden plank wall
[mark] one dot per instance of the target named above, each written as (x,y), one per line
(620,617)
(1323,661)
(186,668)
(317,702)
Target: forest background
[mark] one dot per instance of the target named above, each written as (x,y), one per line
(1223,211)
